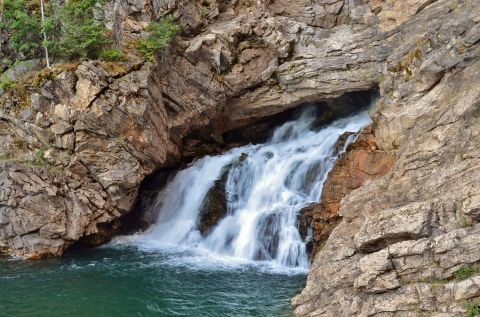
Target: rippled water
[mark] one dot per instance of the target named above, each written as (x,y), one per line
(124,281)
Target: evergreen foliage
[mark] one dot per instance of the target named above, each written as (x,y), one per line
(72,29)
(113,55)
(80,34)
(75,30)
(22,20)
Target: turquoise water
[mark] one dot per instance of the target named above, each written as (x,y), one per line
(126,281)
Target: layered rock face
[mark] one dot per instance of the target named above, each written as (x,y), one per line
(362,162)
(402,237)
(80,138)
(77,141)
(74,155)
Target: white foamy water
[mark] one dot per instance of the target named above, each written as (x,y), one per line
(267,186)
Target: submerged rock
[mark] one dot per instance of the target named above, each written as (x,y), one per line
(214,206)
(268,237)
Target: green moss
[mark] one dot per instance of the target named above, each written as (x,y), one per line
(121,140)
(409,59)
(438,283)
(5,157)
(464,221)
(36,162)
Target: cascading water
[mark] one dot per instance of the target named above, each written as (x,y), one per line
(267,185)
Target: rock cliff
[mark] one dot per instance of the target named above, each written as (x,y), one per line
(77,140)
(407,244)
(81,137)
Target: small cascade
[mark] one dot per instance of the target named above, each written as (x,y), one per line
(265,187)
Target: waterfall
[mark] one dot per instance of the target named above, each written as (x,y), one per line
(266,187)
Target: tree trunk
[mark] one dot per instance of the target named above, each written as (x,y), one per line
(44,35)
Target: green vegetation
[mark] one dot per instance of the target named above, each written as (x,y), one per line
(121,140)
(438,283)
(39,153)
(113,55)
(466,272)
(160,37)
(80,35)
(465,222)
(4,157)
(21,18)
(72,29)
(472,308)
(6,83)
(38,160)
(459,275)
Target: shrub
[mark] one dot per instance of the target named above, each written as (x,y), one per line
(6,83)
(22,21)
(160,37)
(113,55)
(80,34)
(72,29)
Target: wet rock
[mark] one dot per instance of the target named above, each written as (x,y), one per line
(268,236)
(214,206)
(361,163)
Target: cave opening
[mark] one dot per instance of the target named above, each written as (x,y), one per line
(201,143)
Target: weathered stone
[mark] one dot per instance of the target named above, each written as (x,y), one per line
(361,163)
(420,217)
(214,206)
(112,124)
(408,222)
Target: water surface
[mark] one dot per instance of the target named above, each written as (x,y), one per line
(125,281)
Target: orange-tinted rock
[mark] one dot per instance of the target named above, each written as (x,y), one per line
(362,162)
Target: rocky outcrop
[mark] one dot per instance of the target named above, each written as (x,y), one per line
(85,140)
(77,141)
(215,205)
(361,163)
(402,237)
(113,123)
